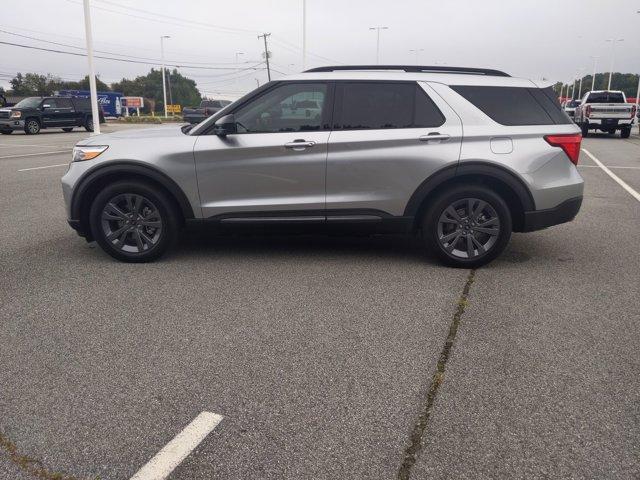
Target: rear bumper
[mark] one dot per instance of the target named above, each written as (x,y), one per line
(610,122)
(539,219)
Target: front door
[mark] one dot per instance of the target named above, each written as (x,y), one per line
(277,160)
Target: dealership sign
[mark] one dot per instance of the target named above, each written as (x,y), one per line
(132,102)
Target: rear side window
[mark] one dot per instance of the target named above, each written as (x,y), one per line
(378,105)
(515,105)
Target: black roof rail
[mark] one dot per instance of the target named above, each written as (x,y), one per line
(414,69)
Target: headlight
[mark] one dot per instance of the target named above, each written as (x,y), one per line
(87,153)
(15,114)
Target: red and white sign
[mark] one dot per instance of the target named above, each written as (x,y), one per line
(132,102)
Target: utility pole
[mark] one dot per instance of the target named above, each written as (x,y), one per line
(304,35)
(593,79)
(417,53)
(266,53)
(561,90)
(613,54)
(378,41)
(164,86)
(580,89)
(169,84)
(95,115)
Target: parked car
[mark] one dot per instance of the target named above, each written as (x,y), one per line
(35,113)
(463,156)
(607,111)
(205,110)
(570,107)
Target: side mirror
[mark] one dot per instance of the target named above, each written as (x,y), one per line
(225,126)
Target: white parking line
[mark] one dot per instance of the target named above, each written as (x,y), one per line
(10,145)
(167,459)
(35,154)
(610,166)
(46,166)
(618,180)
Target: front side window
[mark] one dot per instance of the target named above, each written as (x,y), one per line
(64,102)
(378,105)
(50,103)
(286,108)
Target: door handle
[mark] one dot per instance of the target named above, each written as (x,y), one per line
(299,144)
(442,137)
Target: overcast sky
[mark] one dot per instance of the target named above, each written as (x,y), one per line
(553,39)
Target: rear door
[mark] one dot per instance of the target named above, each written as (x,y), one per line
(275,165)
(387,138)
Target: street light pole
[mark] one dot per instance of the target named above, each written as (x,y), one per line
(593,79)
(378,41)
(580,89)
(164,86)
(304,35)
(95,115)
(613,54)
(417,52)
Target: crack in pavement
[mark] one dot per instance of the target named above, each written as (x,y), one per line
(30,465)
(417,434)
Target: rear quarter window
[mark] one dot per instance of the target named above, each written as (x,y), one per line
(514,106)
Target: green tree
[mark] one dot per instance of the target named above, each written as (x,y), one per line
(627,82)
(183,90)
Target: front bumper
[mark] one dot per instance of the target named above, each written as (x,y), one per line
(539,219)
(11,124)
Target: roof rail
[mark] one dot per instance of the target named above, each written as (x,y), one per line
(414,69)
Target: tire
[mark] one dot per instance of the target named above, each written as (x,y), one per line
(68,129)
(88,124)
(126,238)
(625,132)
(584,127)
(31,126)
(450,240)
(6,132)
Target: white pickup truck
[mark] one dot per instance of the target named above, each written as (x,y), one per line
(605,110)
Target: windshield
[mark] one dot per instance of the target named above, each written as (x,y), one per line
(606,97)
(31,102)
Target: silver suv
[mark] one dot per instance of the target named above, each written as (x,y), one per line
(463,156)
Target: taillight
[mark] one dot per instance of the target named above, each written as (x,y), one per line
(587,111)
(570,143)
(633,111)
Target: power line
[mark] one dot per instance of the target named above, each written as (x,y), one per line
(31,47)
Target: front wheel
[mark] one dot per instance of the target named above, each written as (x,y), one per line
(6,132)
(31,126)
(133,221)
(467,226)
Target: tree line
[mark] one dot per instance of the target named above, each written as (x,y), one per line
(627,82)
(183,90)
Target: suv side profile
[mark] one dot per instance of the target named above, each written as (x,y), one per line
(463,156)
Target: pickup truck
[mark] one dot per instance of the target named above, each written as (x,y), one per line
(206,109)
(35,113)
(607,111)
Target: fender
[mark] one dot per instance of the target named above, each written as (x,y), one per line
(136,168)
(470,168)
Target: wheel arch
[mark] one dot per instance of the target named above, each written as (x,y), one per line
(512,189)
(94,180)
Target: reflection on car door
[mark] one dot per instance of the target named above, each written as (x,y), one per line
(275,163)
(387,138)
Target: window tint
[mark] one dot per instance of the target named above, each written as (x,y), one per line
(375,105)
(64,103)
(287,108)
(605,97)
(514,105)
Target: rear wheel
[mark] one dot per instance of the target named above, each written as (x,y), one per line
(68,129)
(585,129)
(625,132)
(88,124)
(467,226)
(133,221)
(31,126)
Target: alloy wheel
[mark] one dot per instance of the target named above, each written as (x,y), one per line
(132,223)
(468,228)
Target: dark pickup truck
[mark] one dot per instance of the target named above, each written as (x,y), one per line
(35,113)
(206,109)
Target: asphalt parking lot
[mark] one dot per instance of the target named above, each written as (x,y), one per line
(321,354)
